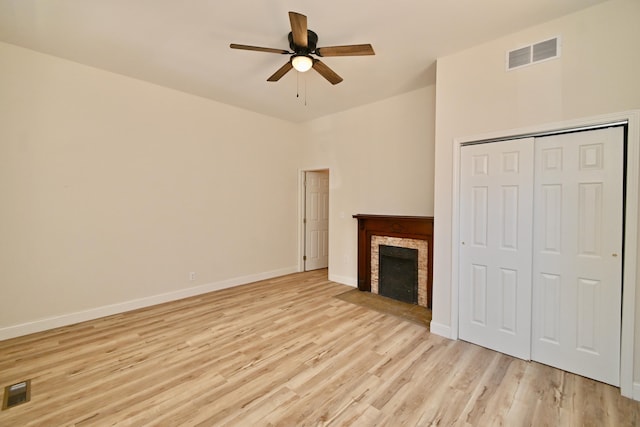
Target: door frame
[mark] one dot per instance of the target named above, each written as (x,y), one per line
(301,211)
(630,239)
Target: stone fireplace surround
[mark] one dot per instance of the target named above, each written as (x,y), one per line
(423,261)
(414,232)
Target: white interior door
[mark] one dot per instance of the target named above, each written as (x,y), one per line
(316,220)
(496,197)
(577,259)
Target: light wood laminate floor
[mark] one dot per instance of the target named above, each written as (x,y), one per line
(286,352)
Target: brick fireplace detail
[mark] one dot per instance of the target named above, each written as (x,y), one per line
(402,231)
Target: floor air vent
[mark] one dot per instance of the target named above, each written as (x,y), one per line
(16,394)
(537,52)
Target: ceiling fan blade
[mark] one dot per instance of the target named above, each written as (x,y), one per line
(258,48)
(326,72)
(299,28)
(348,50)
(281,72)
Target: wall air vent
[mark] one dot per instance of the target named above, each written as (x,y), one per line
(534,53)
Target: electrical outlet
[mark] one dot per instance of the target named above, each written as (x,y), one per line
(192,276)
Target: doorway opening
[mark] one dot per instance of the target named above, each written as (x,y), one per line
(315,219)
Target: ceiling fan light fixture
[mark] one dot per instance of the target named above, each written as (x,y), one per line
(302,63)
(303,42)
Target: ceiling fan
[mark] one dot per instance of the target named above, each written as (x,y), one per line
(302,43)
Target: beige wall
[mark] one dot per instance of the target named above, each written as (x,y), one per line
(380,158)
(112,190)
(598,73)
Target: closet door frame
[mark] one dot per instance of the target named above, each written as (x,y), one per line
(630,119)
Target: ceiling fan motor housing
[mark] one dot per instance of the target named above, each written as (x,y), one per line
(312,42)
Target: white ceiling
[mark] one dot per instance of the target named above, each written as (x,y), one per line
(185,44)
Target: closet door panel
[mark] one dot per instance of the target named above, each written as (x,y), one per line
(577,255)
(495,248)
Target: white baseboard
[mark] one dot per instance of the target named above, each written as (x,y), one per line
(440,329)
(350,281)
(108,310)
(636,391)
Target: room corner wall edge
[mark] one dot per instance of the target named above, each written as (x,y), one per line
(40,325)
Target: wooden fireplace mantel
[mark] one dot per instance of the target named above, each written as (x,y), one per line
(408,227)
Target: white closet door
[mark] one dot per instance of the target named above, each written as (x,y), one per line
(496,182)
(577,259)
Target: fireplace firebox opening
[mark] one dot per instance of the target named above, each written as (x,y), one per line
(398,273)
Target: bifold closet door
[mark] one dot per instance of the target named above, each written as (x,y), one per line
(577,257)
(496,182)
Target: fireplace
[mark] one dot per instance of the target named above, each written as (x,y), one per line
(422,250)
(412,233)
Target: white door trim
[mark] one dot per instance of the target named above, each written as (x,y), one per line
(627,386)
